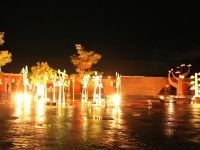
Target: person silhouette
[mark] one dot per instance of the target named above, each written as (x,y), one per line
(7,87)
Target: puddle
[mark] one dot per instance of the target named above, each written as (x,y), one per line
(6,145)
(98,118)
(43,125)
(12,118)
(145,120)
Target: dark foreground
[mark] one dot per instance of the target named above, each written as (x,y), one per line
(133,125)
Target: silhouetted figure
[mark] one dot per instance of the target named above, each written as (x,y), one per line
(7,87)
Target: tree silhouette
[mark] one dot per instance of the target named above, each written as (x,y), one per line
(40,74)
(84,61)
(5,56)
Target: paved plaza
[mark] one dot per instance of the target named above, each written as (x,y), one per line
(134,125)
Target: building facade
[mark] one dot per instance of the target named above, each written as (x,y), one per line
(129,86)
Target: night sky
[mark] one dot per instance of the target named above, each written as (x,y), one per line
(130,30)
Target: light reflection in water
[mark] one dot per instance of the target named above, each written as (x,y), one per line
(195,118)
(18,106)
(22,107)
(170,120)
(96,118)
(27,109)
(40,111)
(116,115)
(171,108)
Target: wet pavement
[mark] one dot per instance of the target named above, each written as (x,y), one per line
(133,125)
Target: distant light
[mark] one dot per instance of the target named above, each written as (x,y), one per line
(162,97)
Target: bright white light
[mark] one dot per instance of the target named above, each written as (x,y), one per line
(28,97)
(40,90)
(161,97)
(18,96)
(116,100)
(40,112)
(41,100)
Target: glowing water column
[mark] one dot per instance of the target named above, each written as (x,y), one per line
(40,88)
(45,86)
(116,98)
(97,83)
(53,77)
(64,84)
(118,83)
(24,73)
(195,86)
(85,79)
(59,84)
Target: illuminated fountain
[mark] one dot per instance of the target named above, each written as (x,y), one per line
(97,84)
(45,86)
(62,84)
(85,79)
(111,84)
(59,84)
(116,98)
(118,83)
(24,73)
(53,78)
(40,88)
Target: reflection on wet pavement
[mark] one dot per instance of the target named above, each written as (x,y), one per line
(32,125)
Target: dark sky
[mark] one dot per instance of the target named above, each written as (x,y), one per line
(133,30)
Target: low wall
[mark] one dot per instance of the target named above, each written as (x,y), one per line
(142,86)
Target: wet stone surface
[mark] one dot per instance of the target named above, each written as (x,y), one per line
(135,125)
